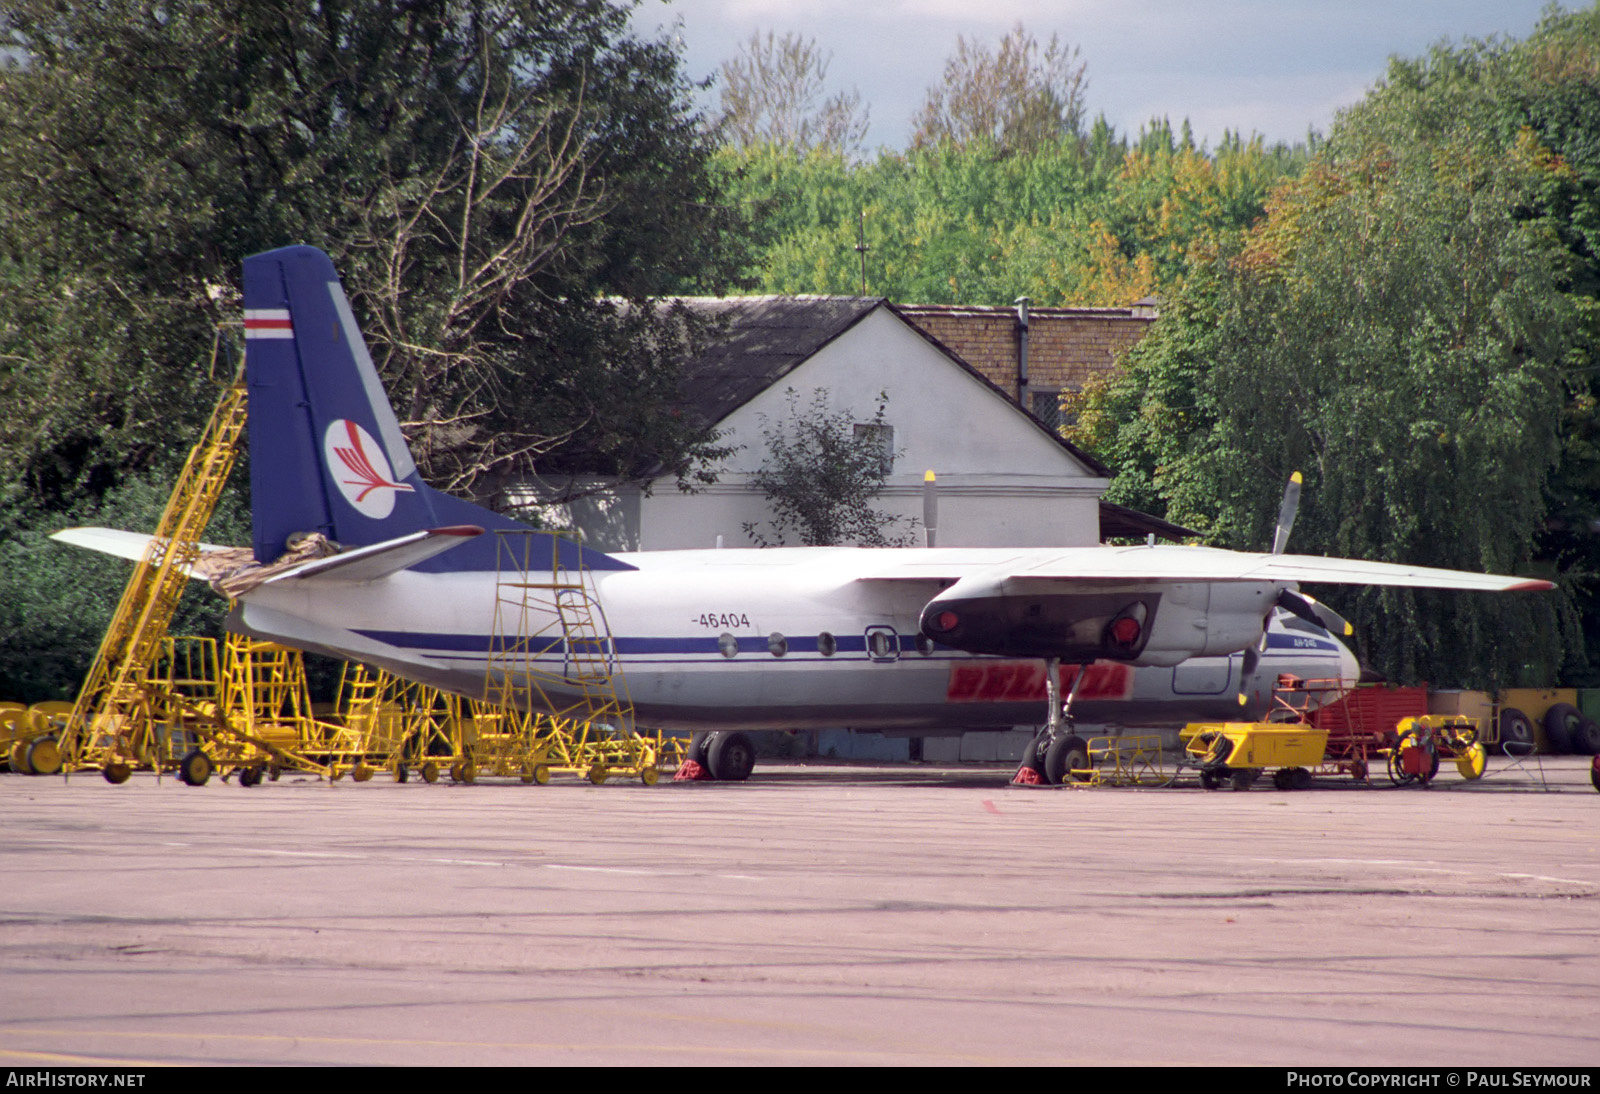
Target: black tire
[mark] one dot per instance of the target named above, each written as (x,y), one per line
(1064,755)
(1586,741)
(1281,779)
(731,756)
(699,745)
(116,773)
(1516,732)
(195,768)
(250,776)
(1210,779)
(1299,778)
(1562,724)
(1244,778)
(1033,757)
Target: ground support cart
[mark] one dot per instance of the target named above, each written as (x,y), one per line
(1118,761)
(1236,753)
(1422,741)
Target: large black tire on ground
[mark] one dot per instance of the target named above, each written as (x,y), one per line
(730,756)
(1586,741)
(1065,754)
(1516,732)
(1562,724)
(697,748)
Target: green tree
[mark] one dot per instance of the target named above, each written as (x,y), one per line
(1410,325)
(486,176)
(822,470)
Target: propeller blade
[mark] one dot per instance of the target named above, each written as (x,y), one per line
(930,506)
(1286,513)
(1252,659)
(1312,611)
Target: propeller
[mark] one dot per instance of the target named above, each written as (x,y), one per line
(930,506)
(1286,514)
(1300,605)
(1314,611)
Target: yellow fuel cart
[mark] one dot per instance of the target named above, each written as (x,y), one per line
(1238,752)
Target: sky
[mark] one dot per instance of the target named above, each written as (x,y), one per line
(1278,68)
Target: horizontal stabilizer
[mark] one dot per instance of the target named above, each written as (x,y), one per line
(381,559)
(113,541)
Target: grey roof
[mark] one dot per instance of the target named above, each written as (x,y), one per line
(766,338)
(769,336)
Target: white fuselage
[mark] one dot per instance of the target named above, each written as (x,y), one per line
(751,639)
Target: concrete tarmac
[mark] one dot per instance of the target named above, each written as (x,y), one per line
(814,915)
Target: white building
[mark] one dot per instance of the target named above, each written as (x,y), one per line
(1004,478)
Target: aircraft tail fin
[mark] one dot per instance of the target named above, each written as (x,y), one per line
(326,451)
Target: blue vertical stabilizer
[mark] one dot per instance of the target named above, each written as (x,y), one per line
(326,452)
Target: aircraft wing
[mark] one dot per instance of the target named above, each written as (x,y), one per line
(1178,564)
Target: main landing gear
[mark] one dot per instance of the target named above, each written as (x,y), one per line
(1057,755)
(726,755)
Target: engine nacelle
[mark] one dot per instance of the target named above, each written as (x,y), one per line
(1145,624)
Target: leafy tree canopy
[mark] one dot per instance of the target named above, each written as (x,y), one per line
(485,175)
(1411,324)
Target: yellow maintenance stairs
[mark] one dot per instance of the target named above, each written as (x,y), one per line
(111,725)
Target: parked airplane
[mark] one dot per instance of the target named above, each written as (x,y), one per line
(928,639)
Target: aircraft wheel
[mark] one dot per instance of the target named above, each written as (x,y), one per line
(1033,756)
(731,756)
(44,756)
(116,773)
(699,745)
(195,768)
(1064,756)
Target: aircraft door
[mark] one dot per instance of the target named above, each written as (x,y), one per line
(1202,676)
(883,644)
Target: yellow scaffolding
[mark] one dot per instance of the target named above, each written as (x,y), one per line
(111,726)
(553,688)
